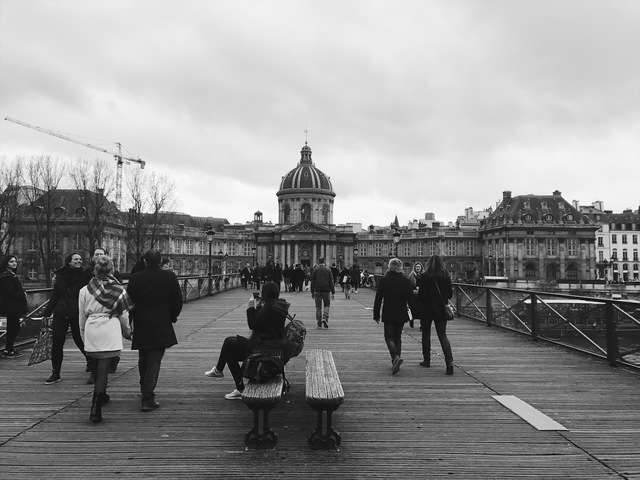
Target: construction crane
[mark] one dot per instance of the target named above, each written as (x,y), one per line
(118,155)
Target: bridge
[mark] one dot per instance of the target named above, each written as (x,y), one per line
(417,424)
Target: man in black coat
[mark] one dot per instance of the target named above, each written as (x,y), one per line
(395,297)
(158,302)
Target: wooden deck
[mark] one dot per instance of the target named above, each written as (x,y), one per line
(417,424)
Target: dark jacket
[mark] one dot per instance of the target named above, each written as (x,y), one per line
(13,301)
(431,302)
(322,280)
(397,292)
(267,322)
(66,289)
(158,302)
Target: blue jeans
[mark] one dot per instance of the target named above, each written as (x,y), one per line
(441,330)
(149,360)
(393,338)
(322,298)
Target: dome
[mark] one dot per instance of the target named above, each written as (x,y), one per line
(306,176)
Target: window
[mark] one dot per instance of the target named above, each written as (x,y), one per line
(305,212)
(530,270)
(600,256)
(377,249)
(614,238)
(528,217)
(232,248)
(432,248)
(634,239)
(76,241)
(420,249)
(55,241)
(572,247)
(32,273)
(469,248)
(548,217)
(247,249)
(624,254)
(178,246)
(325,214)
(614,253)
(407,250)
(202,247)
(569,217)
(600,242)
(32,241)
(572,272)
(286,210)
(551,246)
(451,247)
(529,246)
(624,238)
(635,255)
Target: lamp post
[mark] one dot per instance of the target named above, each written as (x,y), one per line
(613,268)
(355,255)
(340,262)
(210,234)
(253,257)
(490,262)
(396,241)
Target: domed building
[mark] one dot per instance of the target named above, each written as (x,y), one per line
(305,230)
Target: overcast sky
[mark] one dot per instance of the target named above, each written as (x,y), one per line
(410,106)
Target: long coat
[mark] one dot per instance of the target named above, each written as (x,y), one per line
(158,302)
(397,292)
(13,301)
(66,289)
(431,302)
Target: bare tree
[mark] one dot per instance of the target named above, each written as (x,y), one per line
(95,183)
(150,197)
(11,179)
(44,175)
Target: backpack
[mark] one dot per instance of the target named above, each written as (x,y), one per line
(294,335)
(261,368)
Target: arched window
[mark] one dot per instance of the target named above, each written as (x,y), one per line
(572,272)
(530,270)
(305,212)
(286,213)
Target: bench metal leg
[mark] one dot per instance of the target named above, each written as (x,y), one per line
(256,439)
(324,441)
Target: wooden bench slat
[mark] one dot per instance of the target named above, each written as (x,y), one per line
(322,382)
(269,392)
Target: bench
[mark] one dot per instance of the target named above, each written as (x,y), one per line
(324,394)
(261,398)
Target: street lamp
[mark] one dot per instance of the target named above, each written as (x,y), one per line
(490,262)
(355,255)
(396,241)
(253,257)
(224,271)
(210,234)
(613,268)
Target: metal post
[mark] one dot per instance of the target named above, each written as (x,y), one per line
(612,335)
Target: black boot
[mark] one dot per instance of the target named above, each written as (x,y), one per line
(96,408)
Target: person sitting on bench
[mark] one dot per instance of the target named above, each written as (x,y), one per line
(266,317)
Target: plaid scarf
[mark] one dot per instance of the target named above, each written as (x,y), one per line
(110,294)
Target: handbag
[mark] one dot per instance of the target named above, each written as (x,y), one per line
(43,345)
(449,309)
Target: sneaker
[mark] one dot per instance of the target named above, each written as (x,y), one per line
(396,365)
(319,325)
(235,395)
(214,373)
(12,354)
(325,324)
(54,378)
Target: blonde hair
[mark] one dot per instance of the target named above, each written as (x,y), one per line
(104,266)
(395,265)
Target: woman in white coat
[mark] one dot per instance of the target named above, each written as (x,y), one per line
(104,319)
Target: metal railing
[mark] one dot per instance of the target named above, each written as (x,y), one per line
(602,327)
(192,288)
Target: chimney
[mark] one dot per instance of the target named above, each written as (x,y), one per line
(576,204)
(506,196)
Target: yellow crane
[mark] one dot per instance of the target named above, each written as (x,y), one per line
(118,155)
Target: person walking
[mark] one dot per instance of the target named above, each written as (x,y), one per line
(354,273)
(435,290)
(322,291)
(104,319)
(13,303)
(414,277)
(394,296)
(64,306)
(266,317)
(158,302)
